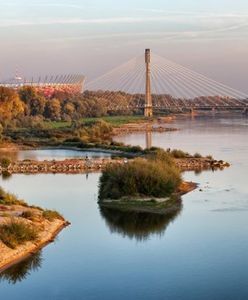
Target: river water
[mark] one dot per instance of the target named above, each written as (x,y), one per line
(198,252)
(50,154)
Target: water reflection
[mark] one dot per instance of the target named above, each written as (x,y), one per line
(139,225)
(50,154)
(148,139)
(12,155)
(21,271)
(6,175)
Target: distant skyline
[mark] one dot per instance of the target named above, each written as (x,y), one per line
(93,36)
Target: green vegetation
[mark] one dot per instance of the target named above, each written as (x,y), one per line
(197,155)
(28,214)
(179,154)
(116,120)
(139,221)
(30,103)
(51,215)
(5,162)
(15,233)
(153,177)
(10,199)
(28,117)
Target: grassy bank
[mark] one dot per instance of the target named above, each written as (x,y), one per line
(112,120)
(24,229)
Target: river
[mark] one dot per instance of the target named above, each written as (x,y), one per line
(199,252)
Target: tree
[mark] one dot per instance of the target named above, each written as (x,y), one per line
(53,110)
(1,132)
(37,105)
(10,104)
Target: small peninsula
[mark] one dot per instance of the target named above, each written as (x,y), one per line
(24,229)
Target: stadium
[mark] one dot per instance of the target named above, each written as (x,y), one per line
(49,85)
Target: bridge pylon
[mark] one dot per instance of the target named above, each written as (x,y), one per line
(148,111)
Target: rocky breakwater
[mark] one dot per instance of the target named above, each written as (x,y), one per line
(75,166)
(69,166)
(142,127)
(194,164)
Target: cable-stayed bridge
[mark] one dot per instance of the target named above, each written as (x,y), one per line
(155,83)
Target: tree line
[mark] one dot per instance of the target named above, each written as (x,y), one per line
(27,102)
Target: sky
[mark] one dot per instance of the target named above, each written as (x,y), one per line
(92,36)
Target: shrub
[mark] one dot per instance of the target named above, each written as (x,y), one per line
(210,157)
(152,178)
(10,199)
(197,155)
(162,156)
(15,233)
(28,214)
(179,154)
(5,162)
(51,215)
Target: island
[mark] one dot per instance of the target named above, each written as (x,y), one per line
(150,184)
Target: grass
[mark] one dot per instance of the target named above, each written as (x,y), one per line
(116,120)
(28,214)
(5,162)
(10,199)
(16,233)
(56,124)
(113,120)
(51,215)
(197,155)
(176,153)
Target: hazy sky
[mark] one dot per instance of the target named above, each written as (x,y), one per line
(93,36)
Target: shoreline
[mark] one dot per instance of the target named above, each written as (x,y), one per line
(151,205)
(28,249)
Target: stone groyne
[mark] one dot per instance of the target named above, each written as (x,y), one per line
(198,164)
(75,166)
(134,128)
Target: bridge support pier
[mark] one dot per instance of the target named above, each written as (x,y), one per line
(148,111)
(192,112)
(213,110)
(245,112)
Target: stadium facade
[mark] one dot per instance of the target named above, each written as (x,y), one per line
(49,85)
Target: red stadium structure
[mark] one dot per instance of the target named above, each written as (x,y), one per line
(49,85)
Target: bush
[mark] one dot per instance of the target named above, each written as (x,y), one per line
(10,199)
(179,154)
(51,215)
(15,233)
(197,155)
(5,162)
(209,157)
(28,214)
(144,178)
(162,156)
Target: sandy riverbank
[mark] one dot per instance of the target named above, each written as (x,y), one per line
(47,231)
